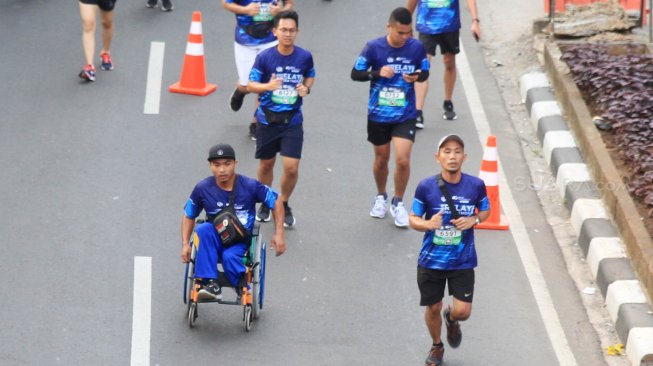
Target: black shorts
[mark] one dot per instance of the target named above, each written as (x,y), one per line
(273,139)
(382,133)
(448,42)
(104,5)
(431,284)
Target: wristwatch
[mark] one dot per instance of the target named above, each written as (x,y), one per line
(478,221)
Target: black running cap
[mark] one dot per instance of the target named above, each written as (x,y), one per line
(221,151)
(448,138)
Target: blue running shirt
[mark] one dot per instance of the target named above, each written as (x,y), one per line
(293,69)
(438,16)
(451,249)
(208,196)
(392,100)
(243,21)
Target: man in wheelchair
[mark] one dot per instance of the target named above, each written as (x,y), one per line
(229,201)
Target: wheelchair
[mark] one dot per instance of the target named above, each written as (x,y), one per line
(249,293)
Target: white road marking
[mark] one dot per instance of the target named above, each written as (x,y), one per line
(517,229)
(142,319)
(154,76)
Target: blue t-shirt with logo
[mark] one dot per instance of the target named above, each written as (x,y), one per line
(392,100)
(438,16)
(243,21)
(293,69)
(208,196)
(448,248)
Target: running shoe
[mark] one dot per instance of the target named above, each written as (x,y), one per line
(449,113)
(380,207)
(88,73)
(252,131)
(263,213)
(436,354)
(166,5)
(454,334)
(151,3)
(107,64)
(211,290)
(400,214)
(236,100)
(419,120)
(289,219)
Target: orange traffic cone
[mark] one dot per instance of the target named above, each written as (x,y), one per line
(490,175)
(193,75)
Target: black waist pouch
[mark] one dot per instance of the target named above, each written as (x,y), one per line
(229,228)
(259,30)
(226,223)
(279,118)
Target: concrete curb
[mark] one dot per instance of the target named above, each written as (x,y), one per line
(599,239)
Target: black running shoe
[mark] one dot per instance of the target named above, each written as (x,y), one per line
(236,100)
(151,3)
(454,334)
(449,113)
(263,213)
(252,131)
(419,120)
(436,354)
(166,5)
(211,290)
(289,219)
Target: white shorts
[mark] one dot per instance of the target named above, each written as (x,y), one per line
(245,57)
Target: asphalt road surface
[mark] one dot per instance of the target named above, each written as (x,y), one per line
(89,184)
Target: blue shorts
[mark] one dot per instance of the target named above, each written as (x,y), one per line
(273,139)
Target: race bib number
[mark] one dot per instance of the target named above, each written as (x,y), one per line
(285,95)
(392,97)
(264,14)
(438,3)
(447,235)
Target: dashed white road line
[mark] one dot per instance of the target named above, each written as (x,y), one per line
(517,229)
(142,318)
(154,77)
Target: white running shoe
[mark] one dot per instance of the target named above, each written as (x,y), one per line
(400,214)
(380,207)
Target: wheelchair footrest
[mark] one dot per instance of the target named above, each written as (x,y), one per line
(237,301)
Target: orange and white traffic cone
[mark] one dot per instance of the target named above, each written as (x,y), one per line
(490,175)
(193,73)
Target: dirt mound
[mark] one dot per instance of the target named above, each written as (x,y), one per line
(588,20)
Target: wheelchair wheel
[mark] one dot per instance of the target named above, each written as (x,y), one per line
(189,274)
(192,314)
(258,278)
(248,318)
